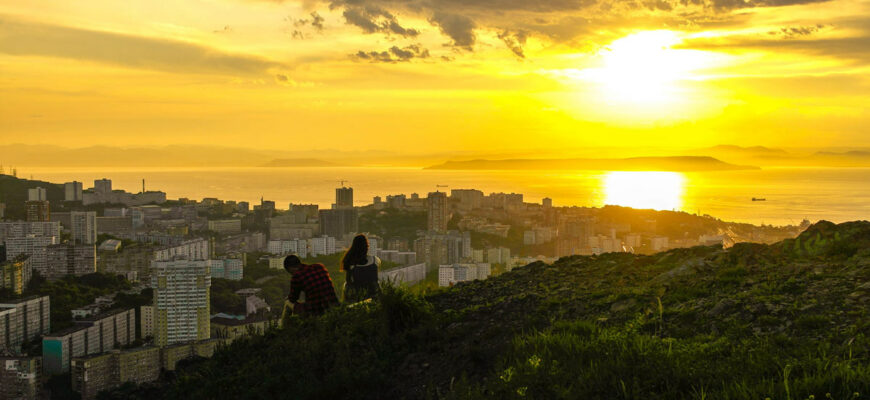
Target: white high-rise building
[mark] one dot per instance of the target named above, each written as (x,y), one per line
(181,301)
(321,245)
(298,247)
(83,225)
(72,191)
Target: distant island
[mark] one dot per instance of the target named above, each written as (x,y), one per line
(299,162)
(679,163)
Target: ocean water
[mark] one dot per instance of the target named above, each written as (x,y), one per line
(791,194)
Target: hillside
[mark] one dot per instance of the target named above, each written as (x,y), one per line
(13,192)
(676,163)
(299,162)
(784,321)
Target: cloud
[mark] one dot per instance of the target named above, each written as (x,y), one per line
(727,5)
(515,41)
(458,27)
(856,49)
(393,54)
(372,19)
(285,80)
(316,21)
(23,38)
(796,31)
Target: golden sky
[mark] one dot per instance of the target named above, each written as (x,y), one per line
(435,75)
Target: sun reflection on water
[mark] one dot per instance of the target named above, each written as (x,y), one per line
(644,189)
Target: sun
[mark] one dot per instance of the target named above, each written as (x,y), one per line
(644,68)
(657,190)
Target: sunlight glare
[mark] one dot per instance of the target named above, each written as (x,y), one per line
(642,68)
(644,189)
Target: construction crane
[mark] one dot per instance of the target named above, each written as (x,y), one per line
(341,181)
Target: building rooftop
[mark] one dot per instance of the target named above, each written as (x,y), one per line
(237,322)
(107,314)
(21,300)
(64,332)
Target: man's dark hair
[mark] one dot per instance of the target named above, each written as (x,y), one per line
(291,262)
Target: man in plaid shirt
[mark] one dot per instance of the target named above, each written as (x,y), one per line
(311,290)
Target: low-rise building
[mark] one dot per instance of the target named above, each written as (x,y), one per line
(499,255)
(254,304)
(93,374)
(230,329)
(19,376)
(90,336)
(24,320)
(276,262)
(228,268)
(70,260)
(194,249)
(171,355)
(408,275)
(448,275)
(225,226)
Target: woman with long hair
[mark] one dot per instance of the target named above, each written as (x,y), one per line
(361,271)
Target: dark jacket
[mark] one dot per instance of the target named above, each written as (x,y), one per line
(361,281)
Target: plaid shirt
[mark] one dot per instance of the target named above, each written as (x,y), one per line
(314,280)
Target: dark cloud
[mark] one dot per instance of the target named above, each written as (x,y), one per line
(728,5)
(515,41)
(458,27)
(578,22)
(315,22)
(796,31)
(373,19)
(19,37)
(393,54)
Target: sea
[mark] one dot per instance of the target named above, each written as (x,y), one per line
(773,196)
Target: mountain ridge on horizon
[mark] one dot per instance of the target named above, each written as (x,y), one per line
(665,163)
(188,155)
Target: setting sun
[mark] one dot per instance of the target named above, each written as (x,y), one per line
(643,68)
(644,189)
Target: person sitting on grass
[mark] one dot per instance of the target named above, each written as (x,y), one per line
(361,269)
(311,290)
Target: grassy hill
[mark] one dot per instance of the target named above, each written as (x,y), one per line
(781,321)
